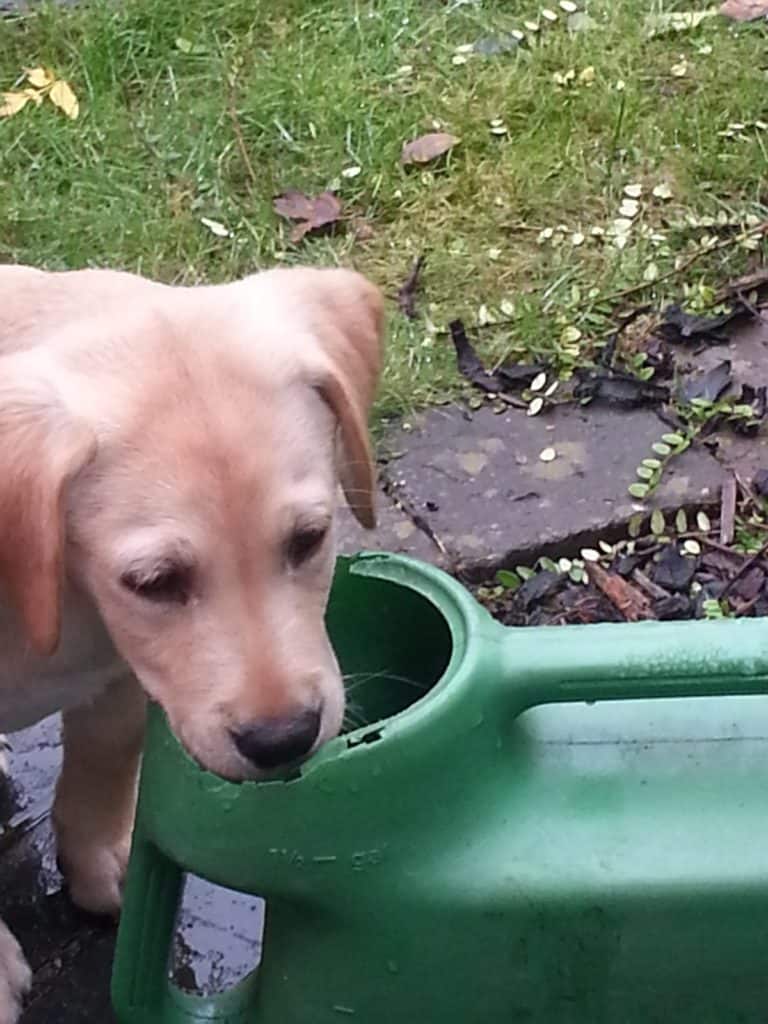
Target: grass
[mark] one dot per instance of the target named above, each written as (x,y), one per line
(310,87)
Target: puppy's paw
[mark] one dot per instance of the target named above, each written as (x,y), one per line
(15,977)
(95,874)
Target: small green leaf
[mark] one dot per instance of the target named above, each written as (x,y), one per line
(651,463)
(548,564)
(508,580)
(635,524)
(638,490)
(673,439)
(657,522)
(576,574)
(712,608)
(743,410)
(703,523)
(660,448)
(524,572)
(644,473)
(681,521)
(570,335)
(646,372)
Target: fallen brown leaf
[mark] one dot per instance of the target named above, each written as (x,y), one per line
(632,604)
(744,10)
(427,147)
(313,213)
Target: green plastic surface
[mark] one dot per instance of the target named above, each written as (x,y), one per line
(490,848)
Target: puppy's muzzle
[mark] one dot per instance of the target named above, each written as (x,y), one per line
(275,742)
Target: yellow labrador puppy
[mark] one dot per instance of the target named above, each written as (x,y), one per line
(169,465)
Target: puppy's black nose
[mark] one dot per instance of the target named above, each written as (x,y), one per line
(273,742)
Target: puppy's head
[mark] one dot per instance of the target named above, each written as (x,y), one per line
(184,471)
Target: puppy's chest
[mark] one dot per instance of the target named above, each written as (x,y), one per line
(31,688)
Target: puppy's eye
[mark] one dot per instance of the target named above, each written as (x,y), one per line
(164,585)
(304,543)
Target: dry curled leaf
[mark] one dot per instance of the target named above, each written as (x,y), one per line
(63,97)
(744,10)
(312,213)
(13,102)
(40,78)
(427,147)
(42,82)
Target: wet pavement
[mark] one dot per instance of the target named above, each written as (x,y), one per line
(219,933)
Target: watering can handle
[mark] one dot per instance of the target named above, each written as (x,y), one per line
(619,662)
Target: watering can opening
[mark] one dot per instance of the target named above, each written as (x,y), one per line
(393,644)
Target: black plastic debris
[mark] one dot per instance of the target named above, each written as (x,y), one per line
(683,328)
(469,363)
(760,482)
(710,385)
(676,606)
(616,388)
(538,587)
(508,377)
(674,570)
(519,375)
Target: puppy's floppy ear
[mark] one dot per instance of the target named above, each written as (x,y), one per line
(349,325)
(41,449)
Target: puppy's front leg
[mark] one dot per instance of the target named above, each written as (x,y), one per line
(15,977)
(96,794)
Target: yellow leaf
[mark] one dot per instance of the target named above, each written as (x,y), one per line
(63,97)
(12,103)
(40,78)
(36,95)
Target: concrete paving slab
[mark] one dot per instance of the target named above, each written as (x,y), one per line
(489,497)
(395,531)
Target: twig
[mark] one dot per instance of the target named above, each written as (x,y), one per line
(652,589)
(758,229)
(714,545)
(406,296)
(239,137)
(748,495)
(756,313)
(727,508)
(750,282)
(744,569)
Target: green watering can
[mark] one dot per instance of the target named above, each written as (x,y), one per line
(490,848)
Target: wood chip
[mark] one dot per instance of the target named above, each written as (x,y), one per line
(727,509)
(632,604)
